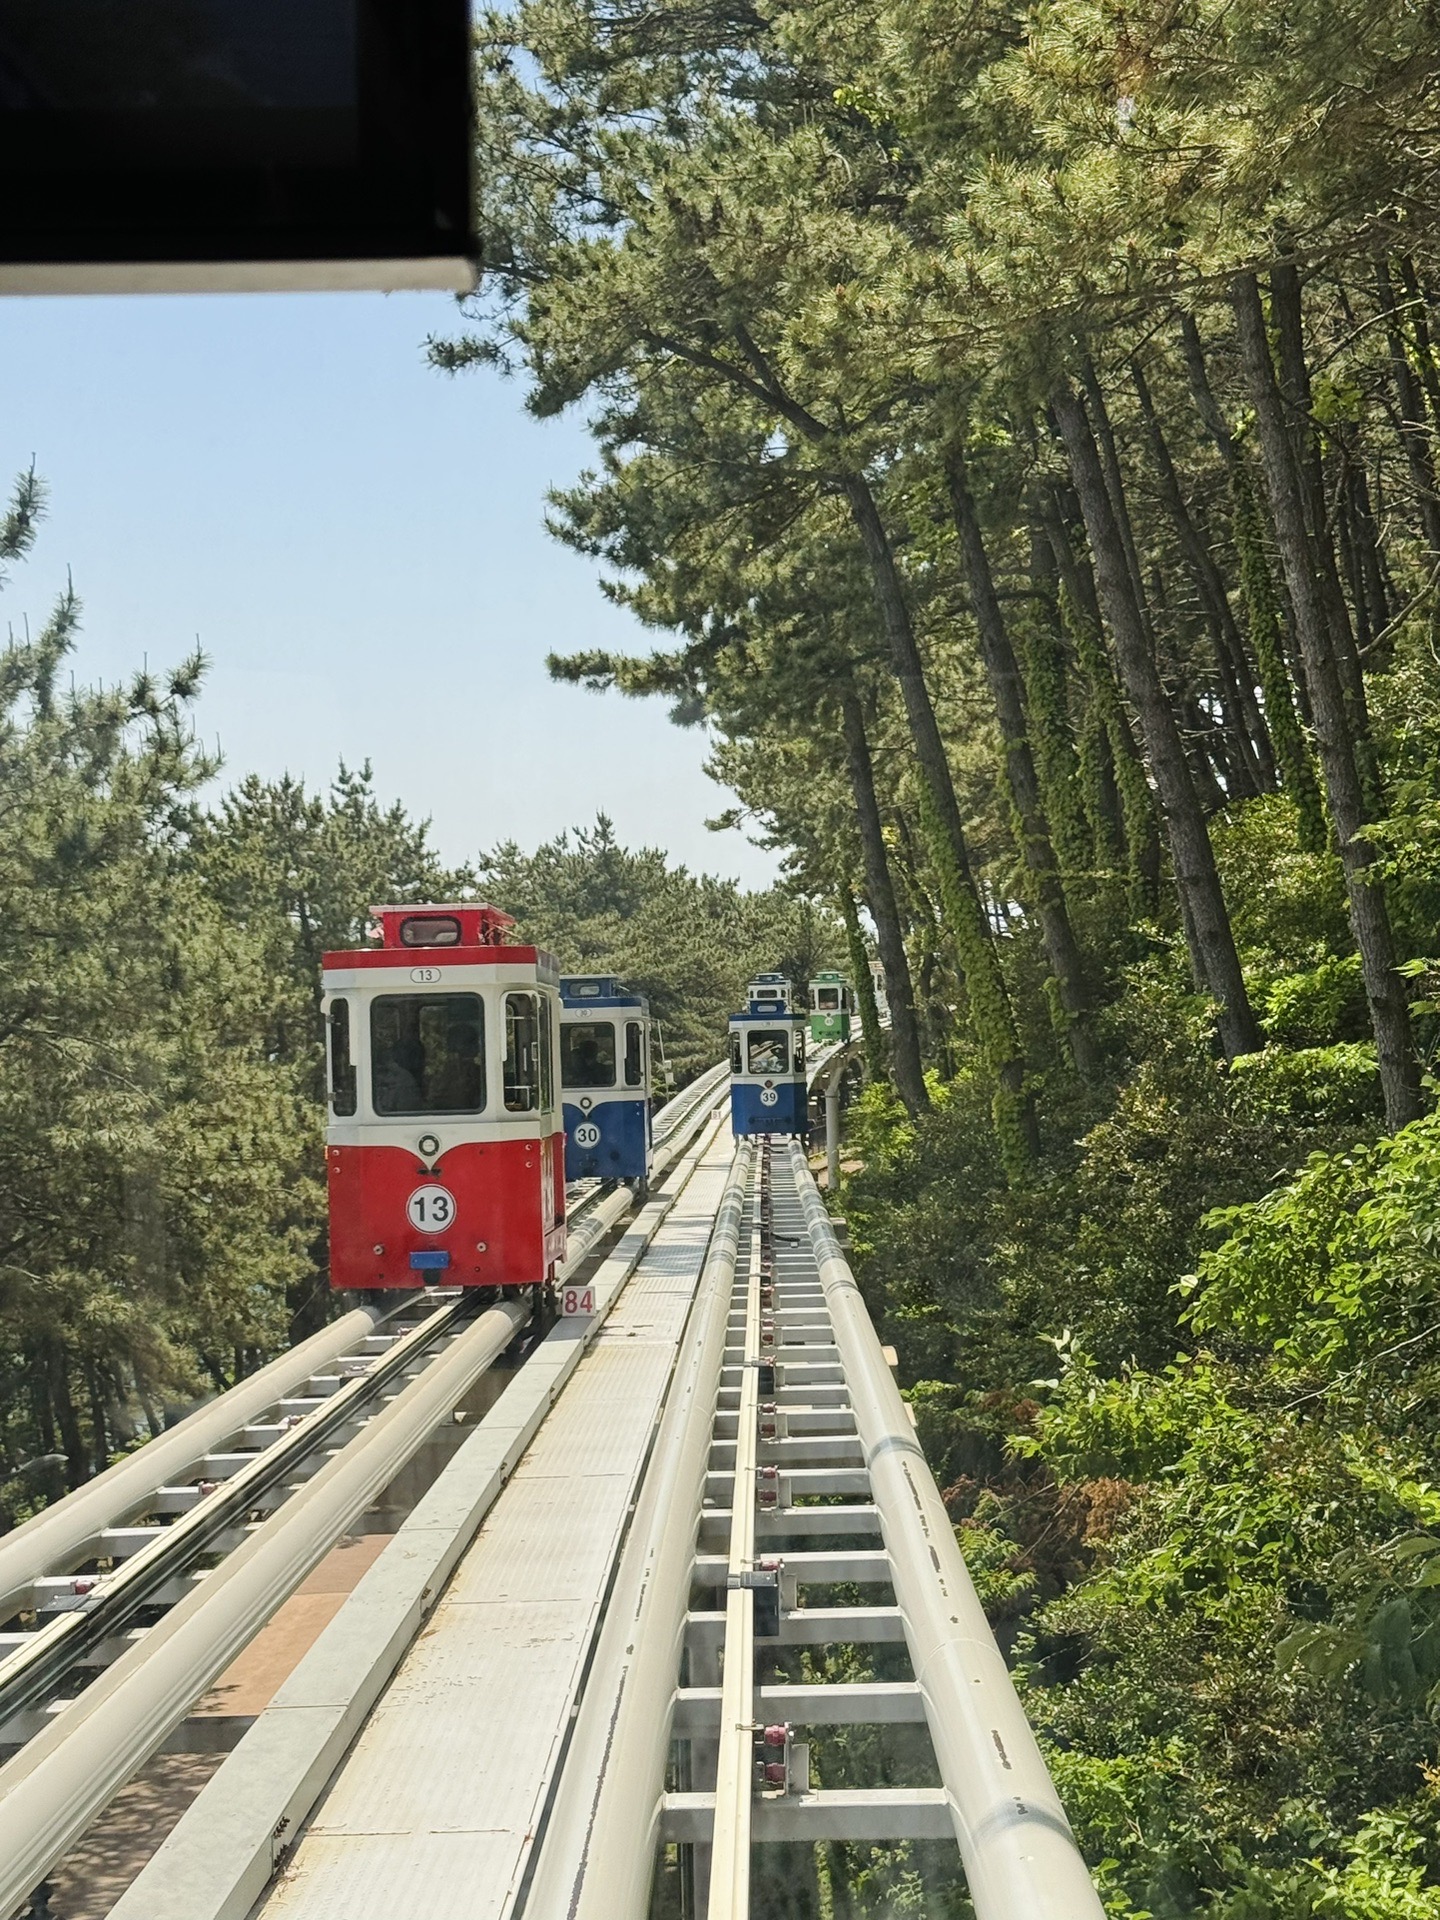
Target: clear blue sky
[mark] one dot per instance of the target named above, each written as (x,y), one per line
(357,542)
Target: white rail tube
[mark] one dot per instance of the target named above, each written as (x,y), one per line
(59,1781)
(52,1540)
(729,1894)
(1021,1860)
(598,1855)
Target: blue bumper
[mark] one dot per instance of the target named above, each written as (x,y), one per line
(787,1113)
(611,1142)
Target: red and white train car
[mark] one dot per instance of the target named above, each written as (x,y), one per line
(445,1151)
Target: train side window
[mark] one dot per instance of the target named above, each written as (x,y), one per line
(343,1097)
(799,1050)
(768,1053)
(523,1067)
(737,1062)
(634,1055)
(547,1058)
(427,1053)
(587,1053)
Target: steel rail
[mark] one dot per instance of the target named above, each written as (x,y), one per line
(1021,1860)
(33,1670)
(729,1894)
(54,1787)
(598,1852)
(699,1091)
(62,1532)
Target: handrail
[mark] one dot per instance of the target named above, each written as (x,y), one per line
(1021,1859)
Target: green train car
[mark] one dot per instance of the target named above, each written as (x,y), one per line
(832,1001)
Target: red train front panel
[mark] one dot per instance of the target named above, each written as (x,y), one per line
(445,1155)
(483,1215)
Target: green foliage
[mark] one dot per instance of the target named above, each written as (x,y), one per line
(689,942)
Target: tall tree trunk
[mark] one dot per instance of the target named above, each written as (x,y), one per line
(1414,429)
(1081,607)
(1046,668)
(1192,857)
(100,1436)
(1286,308)
(1201,392)
(1208,408)
(870,1028)
(77,1462)
(1262,607)
(1002,670)
(880,894)
(1103,433)
(992,1017)
(1231,662)
(1418,321)
(1369,918)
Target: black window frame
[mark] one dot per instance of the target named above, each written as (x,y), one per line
(594,1028)
(536,1077)
(122,181)
(634,1074)
(755,1035)
(344,1079)
(420,1001)
(447,925)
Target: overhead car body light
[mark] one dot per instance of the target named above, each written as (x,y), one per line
(232,145)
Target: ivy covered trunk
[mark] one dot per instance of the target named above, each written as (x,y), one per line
(1369,915)
(1207,923)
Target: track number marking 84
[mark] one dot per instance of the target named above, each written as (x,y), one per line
(431,1209)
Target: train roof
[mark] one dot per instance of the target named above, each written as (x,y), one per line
(586,990)
(457,933)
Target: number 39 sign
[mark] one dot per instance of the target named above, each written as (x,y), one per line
(431,1209)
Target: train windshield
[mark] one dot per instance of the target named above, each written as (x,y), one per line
(427,1053)
(634,1055)
(342,1065)
(769,1053)
(528,1071)
(827,999)
(587,1053)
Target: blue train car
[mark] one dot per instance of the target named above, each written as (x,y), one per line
(604,1079)
(767,1072)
